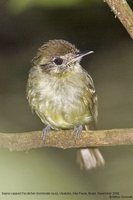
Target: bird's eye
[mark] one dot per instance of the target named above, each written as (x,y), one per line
(58,61)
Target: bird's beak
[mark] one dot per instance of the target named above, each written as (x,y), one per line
(81,55)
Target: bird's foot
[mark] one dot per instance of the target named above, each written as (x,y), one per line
(45,131)
(77,131)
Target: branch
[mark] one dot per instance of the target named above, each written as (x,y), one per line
(65,139)
(124,13)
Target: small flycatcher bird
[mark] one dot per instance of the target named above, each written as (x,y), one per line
(62,94)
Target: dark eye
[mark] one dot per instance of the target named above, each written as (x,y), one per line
(58,61)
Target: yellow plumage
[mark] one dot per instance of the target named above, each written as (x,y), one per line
(59,90)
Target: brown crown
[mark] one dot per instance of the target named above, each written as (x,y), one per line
(54,48)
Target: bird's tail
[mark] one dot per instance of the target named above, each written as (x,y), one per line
(90,158)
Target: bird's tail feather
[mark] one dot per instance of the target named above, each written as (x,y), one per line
(90,158)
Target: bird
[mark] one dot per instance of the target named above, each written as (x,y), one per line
(62,93)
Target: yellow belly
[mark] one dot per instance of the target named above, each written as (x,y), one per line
(64,113)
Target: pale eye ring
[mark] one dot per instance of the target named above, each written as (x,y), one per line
(58,61)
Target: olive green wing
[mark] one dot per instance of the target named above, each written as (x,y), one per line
(92,102)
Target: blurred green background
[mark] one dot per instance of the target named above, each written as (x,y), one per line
(90,25)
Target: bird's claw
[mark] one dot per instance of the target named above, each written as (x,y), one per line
(45,131)
(77,131)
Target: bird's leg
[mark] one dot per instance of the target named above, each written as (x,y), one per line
(45,131)
(77,130)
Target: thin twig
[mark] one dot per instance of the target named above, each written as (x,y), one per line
(65,139)
(124,13)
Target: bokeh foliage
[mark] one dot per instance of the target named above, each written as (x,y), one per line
(19,6)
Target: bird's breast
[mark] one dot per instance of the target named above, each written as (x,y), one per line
(61,102)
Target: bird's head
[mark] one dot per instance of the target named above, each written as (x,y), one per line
(58,57)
